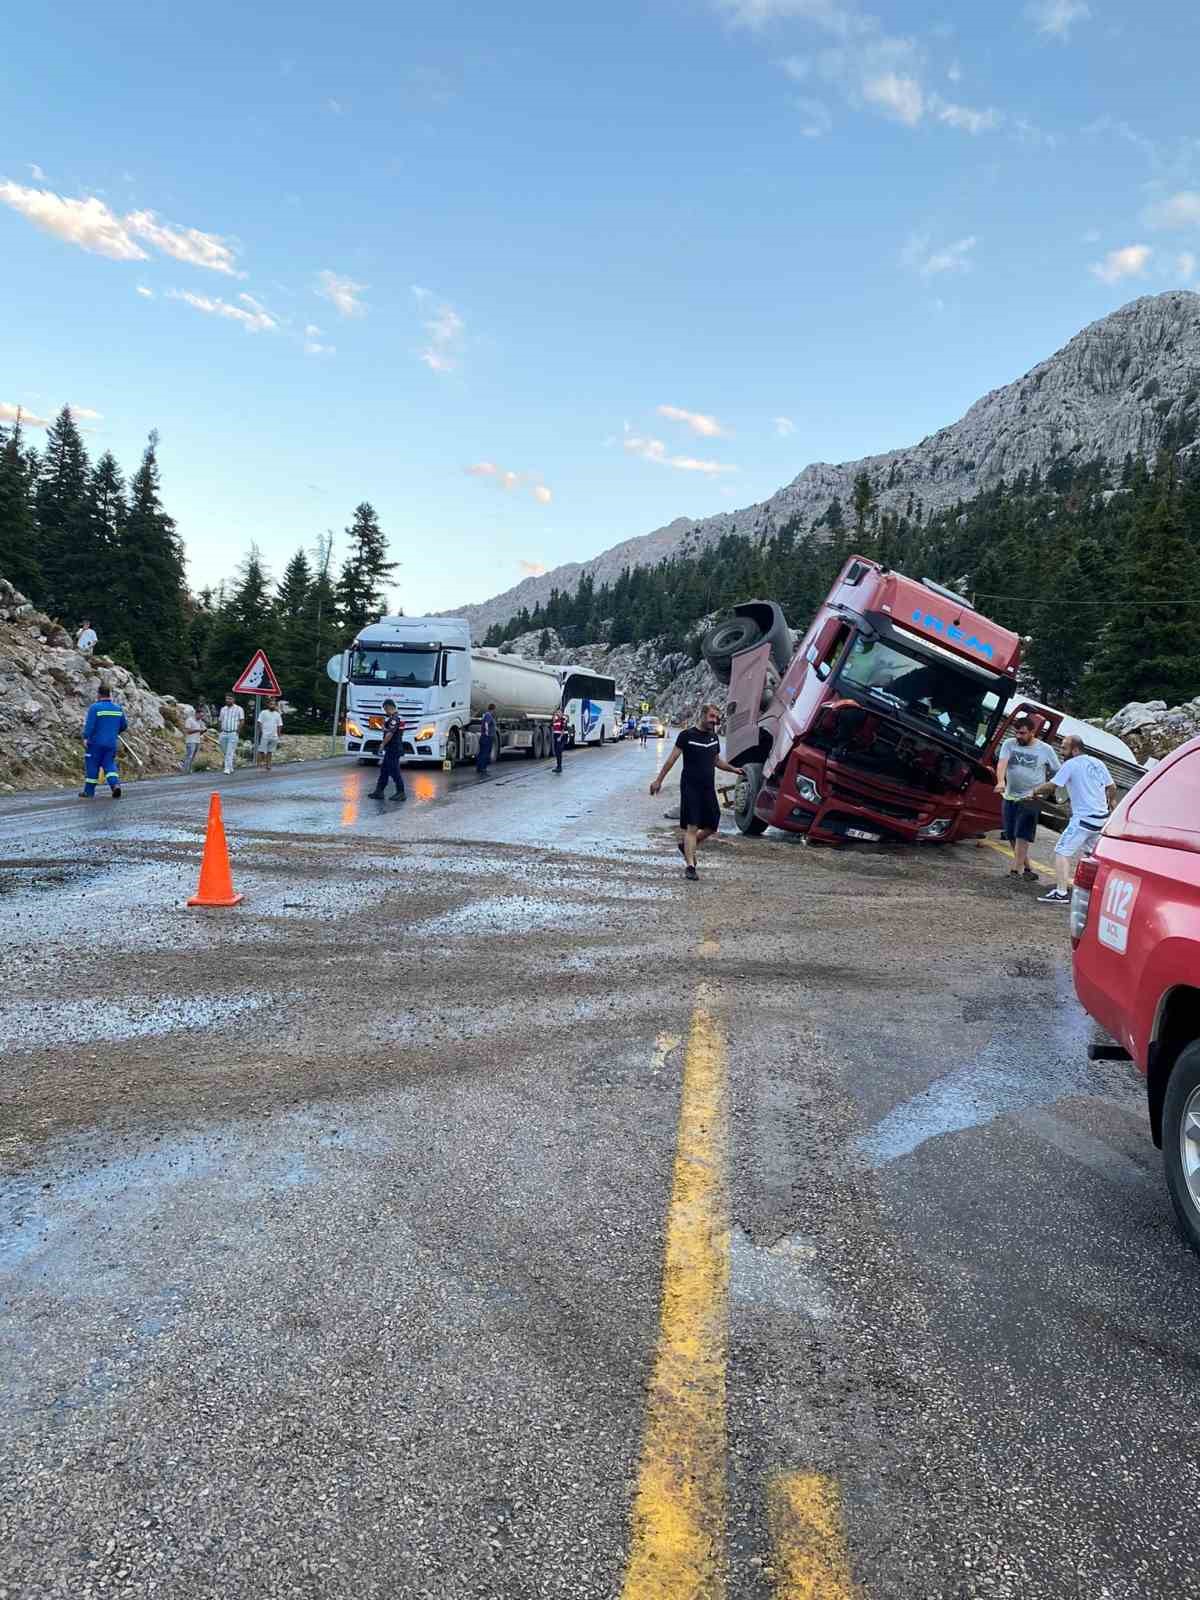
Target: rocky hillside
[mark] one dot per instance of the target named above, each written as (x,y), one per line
(46,687)
(1114,390)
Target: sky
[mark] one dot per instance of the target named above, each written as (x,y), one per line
(533,280)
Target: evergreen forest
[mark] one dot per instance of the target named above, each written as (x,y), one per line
(1097,569)
(85,543)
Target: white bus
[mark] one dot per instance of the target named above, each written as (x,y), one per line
(591,705)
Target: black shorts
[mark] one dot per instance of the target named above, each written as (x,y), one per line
(1020,821)
(698,806)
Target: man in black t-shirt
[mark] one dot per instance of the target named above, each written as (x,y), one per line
(699,808)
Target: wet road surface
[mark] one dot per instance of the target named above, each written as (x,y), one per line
(482,1210)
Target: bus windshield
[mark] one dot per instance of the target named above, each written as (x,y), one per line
(964,706)
(385,665)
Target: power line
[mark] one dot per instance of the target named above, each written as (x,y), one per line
(1030,600)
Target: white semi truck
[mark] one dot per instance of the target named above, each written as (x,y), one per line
(442,686)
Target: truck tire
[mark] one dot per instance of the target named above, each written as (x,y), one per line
(725,639)
(454,747)
(603,734)
(534,753)
(1181,1141)
(744,797)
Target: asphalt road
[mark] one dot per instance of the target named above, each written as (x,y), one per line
(480,1209)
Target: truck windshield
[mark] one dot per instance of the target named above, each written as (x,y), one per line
(381,664)
(961,704)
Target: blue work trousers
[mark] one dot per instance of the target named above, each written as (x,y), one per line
(389,767)
(99,764)
(484,756)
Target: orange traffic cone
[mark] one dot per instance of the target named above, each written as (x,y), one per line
(216,880)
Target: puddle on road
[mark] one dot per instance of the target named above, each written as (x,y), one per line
(50,1024)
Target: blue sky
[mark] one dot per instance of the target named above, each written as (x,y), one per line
(534,280)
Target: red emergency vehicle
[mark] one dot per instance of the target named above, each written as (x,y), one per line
(1135,927)
(881,722)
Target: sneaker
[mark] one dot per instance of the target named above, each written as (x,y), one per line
(691,874)
(400,796)
(84,795)
(1029,875)
(116,794)
(1056,897)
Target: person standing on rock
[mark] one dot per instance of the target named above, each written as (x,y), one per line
(390,750)
(699,808)
(558,734)
(232,717)
(85,643)
(102,730)
(194,729)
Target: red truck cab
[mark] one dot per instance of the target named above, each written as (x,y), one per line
(1135,928)
(881,722)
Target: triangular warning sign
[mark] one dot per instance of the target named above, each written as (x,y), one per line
(258,677)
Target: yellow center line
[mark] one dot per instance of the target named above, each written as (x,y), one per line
(804,1511)
(677,1549)
(1005,850)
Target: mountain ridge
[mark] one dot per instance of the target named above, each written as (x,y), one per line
(1117,387)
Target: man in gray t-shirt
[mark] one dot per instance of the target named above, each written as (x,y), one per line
(1025,762)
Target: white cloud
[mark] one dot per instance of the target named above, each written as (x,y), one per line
(251,315)
(656,450)
(1129,262)
(1185,266)
(444,331)
(93,226)
(87,223)
(954,72)
(784,427)
(335,106)
(36,173)
(897,95)
(146,294)
(313,348)
(928,263)
(966,118)
(504,478)
(1056,18)
(85,414)
(198,249)
(1180,210)
(342,292)
(311,331)
(30,419)
(533,569)
(698,421)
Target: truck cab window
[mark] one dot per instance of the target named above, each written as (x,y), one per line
(830,650)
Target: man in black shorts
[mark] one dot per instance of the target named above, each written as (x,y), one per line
(699,808)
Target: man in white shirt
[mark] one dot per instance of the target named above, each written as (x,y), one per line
(232,717)
(1092,792)
(86,641)
(194,729)
(270,722)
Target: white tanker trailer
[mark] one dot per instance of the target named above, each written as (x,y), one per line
(442,687)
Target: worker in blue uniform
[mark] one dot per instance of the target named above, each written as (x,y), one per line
(103,727)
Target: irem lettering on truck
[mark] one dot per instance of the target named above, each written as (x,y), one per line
(953,632)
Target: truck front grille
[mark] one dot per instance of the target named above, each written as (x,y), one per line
(884,807)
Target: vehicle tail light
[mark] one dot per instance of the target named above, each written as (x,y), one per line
(1081,896)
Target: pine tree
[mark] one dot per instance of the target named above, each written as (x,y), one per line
(18,522)
(293,658)
(243,624)
(360,589)
(150,579)
(64,530)
(98,566)
(1150,646)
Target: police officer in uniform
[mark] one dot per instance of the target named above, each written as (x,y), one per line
(487,733)
(102,728)
(390,750)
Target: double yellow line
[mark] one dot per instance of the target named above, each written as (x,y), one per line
(678,1544)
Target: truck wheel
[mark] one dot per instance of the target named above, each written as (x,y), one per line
(1181,1141)
(744,797)
(534,753)
(603,734)
(723,641)
(454,747)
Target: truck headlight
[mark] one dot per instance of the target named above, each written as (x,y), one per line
(427,733)
(807,790)
(353,730)
(937,829)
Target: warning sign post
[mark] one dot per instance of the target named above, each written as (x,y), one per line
(260,681)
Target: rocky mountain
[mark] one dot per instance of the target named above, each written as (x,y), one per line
(1117,388)
(46,686)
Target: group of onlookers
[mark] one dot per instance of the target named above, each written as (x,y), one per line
(1028,772)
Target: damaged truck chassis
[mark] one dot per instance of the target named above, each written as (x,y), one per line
(881,723)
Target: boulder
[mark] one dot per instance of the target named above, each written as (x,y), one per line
(1152,730)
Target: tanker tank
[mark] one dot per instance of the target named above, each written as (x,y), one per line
(518,688)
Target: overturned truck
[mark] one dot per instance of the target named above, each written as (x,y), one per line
(881,722)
